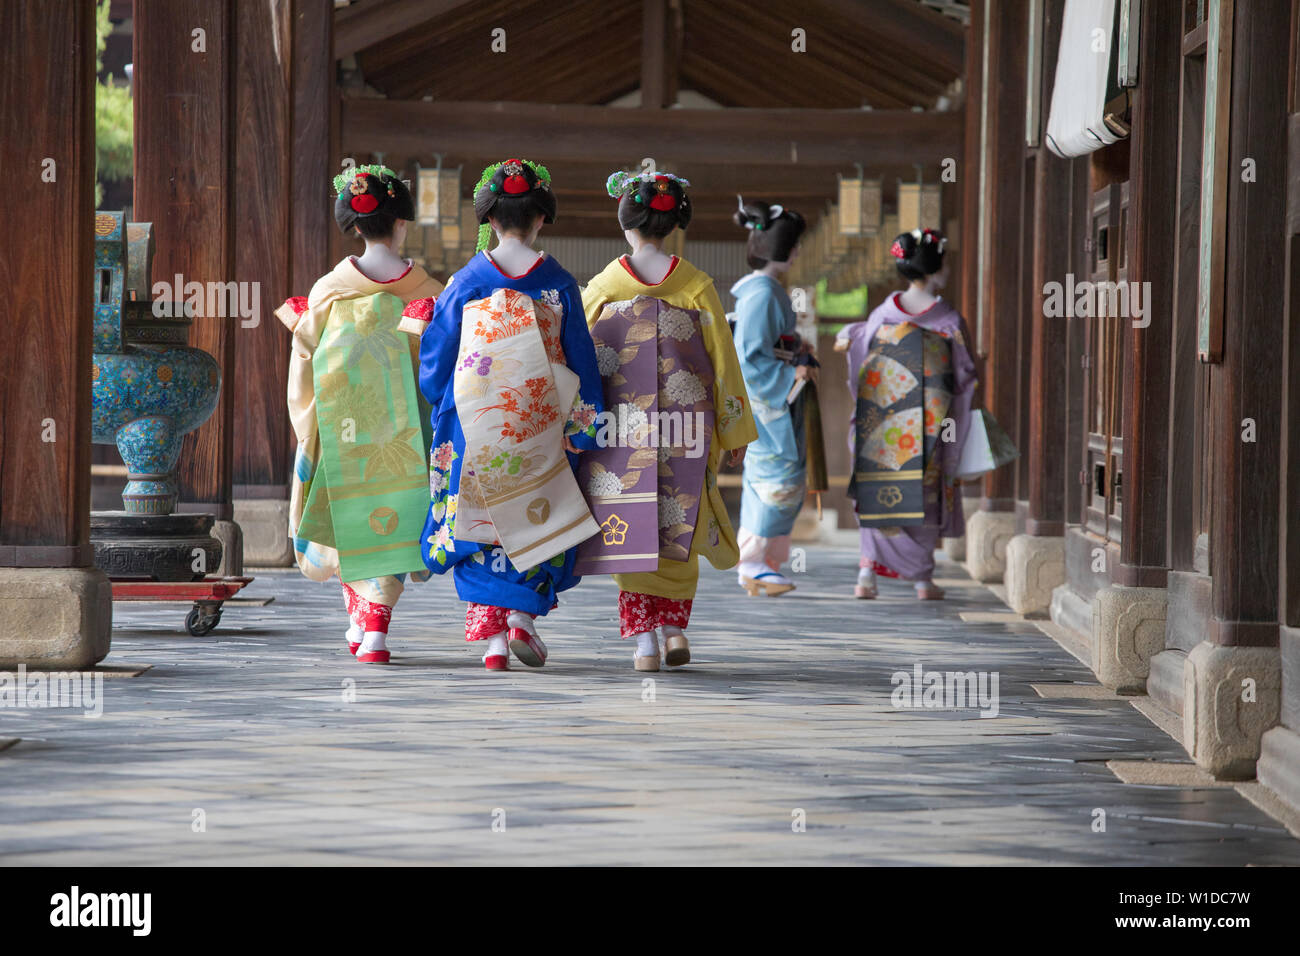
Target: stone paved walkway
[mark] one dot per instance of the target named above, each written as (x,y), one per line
(784,714)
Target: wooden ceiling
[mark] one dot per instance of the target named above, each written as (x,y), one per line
(777,135)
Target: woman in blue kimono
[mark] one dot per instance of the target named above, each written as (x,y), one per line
(510,370)
(772,360)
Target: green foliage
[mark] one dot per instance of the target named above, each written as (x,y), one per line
(114,134)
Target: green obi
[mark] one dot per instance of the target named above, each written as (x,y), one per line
(370,492)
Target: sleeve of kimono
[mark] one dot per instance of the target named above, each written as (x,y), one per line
(768,379)
(963,363)
(593,300)
(439,346)
(301,393)
(734,420)
(580,357)
(417,315)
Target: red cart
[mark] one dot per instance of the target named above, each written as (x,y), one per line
(207,595)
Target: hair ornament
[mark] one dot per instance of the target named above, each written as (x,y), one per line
(896,250)
(353,178)
(775,211)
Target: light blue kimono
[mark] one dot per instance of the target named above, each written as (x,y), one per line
(776,464)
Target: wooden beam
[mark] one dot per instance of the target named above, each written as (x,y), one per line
(923,34)
(48,129)
(368,22)
(780,137)
(660,51)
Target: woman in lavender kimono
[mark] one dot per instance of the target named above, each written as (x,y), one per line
(772,361)
(510,370)
(913,377)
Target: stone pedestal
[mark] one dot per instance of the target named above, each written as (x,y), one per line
(987,536)
(54,618)
(265,526)
(1128,629)
(1231,696)
(954,548)
(164,547)
(1279,764)
(1035,566)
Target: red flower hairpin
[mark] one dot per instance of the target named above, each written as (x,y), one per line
(896,251)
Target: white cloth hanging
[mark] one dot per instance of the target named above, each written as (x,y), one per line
(1077,125)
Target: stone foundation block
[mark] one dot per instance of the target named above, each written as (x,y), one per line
(54,618)
(1035,567)
(265,525)
(987,536)
(1231,695)
(1128,629)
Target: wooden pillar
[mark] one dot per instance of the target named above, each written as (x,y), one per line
(261,220)
(1152,239)
(184,184)
(48,129)
(1244,531)
(969,174)
(313,139)
(1004,153)
(1049,432)
(55,607)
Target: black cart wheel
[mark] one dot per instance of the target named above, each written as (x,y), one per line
(202,619)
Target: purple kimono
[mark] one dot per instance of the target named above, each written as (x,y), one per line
(906,550)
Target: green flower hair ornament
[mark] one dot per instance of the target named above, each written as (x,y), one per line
(485,230)
(621,182)
(342,180)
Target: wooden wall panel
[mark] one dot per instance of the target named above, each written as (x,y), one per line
(48,51)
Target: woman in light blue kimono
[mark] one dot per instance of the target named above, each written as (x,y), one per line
(772,360)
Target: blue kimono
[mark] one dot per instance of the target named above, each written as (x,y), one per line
(775,465)
(483,573)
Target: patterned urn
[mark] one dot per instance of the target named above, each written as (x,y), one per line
(149,388)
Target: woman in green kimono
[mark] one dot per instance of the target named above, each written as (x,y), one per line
(361,480)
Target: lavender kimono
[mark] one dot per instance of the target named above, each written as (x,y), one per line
(913,378)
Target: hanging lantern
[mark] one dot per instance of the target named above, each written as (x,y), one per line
(919,206)
(468,230)
(888,230)
(860,206)
(438,200)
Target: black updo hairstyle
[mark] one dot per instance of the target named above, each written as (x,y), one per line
(774,231)
(372,199)
(652,206)
(514,193)
(919,253)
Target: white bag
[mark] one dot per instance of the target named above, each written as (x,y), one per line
(987,447)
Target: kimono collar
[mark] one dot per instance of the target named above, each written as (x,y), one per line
(620,283)
(349,275)
(749,283)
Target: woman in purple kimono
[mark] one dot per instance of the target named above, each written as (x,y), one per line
(913,378)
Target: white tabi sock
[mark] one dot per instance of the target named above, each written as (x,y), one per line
(373,641)
(354,634)
(522,621)
(497,646)
(867,577)
(647,644)
(751,569)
